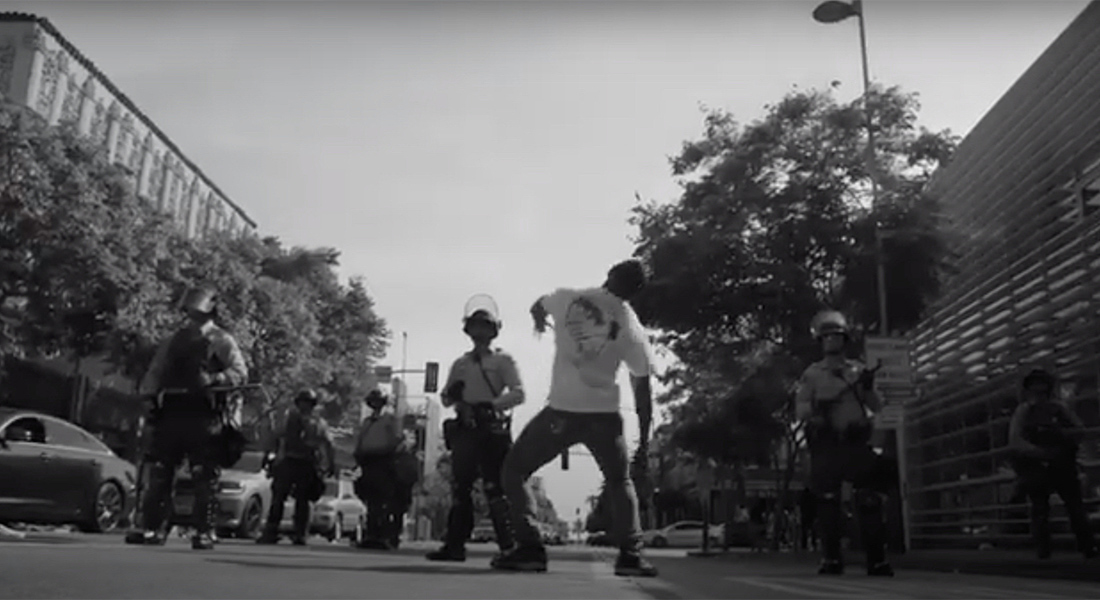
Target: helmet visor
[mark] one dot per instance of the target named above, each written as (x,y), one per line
(484,304)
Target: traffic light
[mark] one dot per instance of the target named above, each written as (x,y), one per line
(565,460)
(431,378)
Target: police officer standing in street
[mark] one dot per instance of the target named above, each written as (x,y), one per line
(481,386)
(834,399)
(303,455)
(186,367)
(1044,436)
(376,446)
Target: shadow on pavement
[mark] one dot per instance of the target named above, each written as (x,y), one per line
(428,569)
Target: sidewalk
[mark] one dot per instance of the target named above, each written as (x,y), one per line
(1011,563)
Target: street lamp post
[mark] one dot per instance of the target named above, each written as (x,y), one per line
(834,11)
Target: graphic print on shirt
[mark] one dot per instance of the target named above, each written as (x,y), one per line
(590,329)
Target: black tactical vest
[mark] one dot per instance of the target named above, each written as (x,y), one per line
(188,356)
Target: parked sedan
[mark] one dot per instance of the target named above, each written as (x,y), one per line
(339,513)
(244,497)
(682,534)
(52,471)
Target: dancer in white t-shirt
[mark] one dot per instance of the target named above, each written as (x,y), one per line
(595,331)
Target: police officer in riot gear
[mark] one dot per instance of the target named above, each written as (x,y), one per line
(834,398)
(482,385)
(303,456)
(376,446)
(187,423)
(1044,436)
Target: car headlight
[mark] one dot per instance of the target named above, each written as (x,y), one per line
(230,487)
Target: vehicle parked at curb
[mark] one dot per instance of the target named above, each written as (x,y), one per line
(55,472)
(483,532)
(244,497)
(682,534)
(338,513)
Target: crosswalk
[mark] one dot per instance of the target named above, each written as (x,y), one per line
(923,586)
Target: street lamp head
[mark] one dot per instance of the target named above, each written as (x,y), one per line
(834,11)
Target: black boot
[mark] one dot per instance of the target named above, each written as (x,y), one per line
(500,514)
(523,558)
(269,536)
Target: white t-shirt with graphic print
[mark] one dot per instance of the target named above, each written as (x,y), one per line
(594,332)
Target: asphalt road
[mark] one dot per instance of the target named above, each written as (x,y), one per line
(78,566)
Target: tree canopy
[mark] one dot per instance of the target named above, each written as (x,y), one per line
(89,268)
(774,222)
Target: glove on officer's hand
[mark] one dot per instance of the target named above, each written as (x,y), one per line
(207,379)
(454,392)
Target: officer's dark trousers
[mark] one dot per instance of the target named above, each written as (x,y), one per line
(377,488)
(291,476)
(175,438)
(1039,480)
(478,453)
(832,462)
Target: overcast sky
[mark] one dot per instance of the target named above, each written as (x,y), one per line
(448,149)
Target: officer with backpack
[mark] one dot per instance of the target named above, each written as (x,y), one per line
(835,399)
(482,386)
(376,448)
(189,416)
(302,456)
(1044,436)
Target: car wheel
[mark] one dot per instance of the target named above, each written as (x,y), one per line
(108,509)
(660,542)
(252,520)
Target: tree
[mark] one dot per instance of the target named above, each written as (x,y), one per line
(89,268)
(774,223)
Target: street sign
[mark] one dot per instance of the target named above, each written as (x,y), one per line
(893,353)
(383,372)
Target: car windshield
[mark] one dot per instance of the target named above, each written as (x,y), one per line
(332,489)
(250,462)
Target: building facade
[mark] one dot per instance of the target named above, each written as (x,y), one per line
(1023,197)
(41,70)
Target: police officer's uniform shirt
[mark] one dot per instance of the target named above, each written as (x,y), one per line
(302,436)
(500,369)
(222,348)
(594,333)
(821,386)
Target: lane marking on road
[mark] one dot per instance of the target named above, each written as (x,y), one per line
(804,589)
(902,588)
